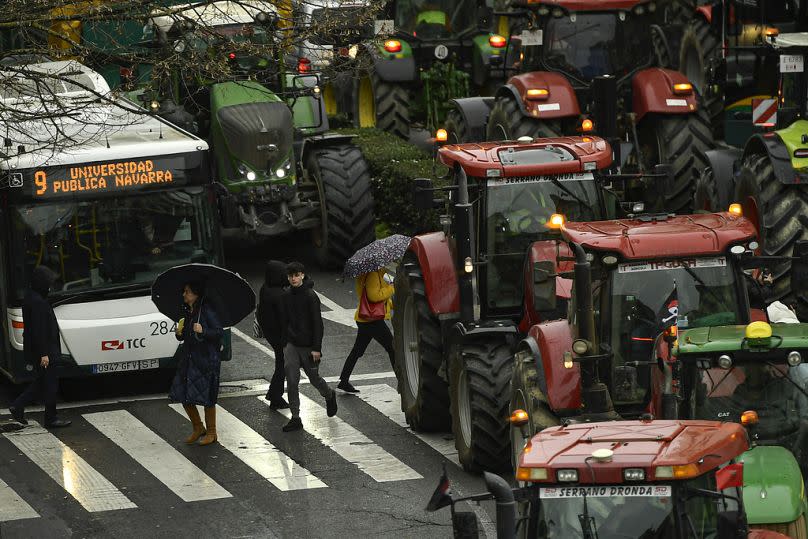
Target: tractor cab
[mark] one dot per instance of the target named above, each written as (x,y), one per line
(435,19)
(627,479)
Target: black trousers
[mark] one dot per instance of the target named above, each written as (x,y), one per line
(44,387)
(368,331)
(275,391)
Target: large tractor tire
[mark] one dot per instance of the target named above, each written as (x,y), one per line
(342,181)
(383,105)
(506,122)
(419,353)
(795,529)
(780,213)
(706,196)
(680,140)
(699,44)
(479,389)
(456,128)
(526,395)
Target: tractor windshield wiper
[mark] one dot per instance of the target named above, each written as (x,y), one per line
(588,527)
(96,292)
(703,284)
(781,375)
(560,185)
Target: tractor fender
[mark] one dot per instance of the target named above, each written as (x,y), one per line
(560,103)
(760,479)
(772,145)
(548,342)
(398,67)
(705,11)
(438,268)
(460,332)
(722,164)
(318,141)
(475,112)
(547,250)
(653,92)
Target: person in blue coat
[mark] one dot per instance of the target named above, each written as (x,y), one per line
(197,380)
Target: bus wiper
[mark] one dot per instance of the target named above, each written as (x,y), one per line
(98,292)
(588,527)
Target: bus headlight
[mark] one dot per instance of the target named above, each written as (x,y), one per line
(794,358)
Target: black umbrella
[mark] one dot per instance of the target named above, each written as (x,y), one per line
(376,255)
(231,296)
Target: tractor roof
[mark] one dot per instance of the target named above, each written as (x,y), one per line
(560,155)
(663,236)
(590,5)
(696,446)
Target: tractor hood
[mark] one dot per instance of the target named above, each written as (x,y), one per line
(711,340)
(772,485)
(252,119)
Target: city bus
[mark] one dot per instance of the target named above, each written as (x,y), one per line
(108,196)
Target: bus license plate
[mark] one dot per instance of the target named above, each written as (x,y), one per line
(102,368)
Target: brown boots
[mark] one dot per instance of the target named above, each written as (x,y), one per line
(210,423)
(196,422)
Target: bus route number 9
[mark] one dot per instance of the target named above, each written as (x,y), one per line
(41,181)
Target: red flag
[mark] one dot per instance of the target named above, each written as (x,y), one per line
(729,476)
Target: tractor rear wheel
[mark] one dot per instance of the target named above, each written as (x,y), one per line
(706,197)
(342,181)
(381,104)
(456,128)
(479,388)
(700,44)
(527,395)
(506,122)
(680,140)
(780,213)
(419,353)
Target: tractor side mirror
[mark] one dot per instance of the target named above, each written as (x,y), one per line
(544,285)
(422,194)
(799,266)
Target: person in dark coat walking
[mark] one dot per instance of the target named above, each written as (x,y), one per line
(197,378)
(41,348)
(272,319)
(304,342)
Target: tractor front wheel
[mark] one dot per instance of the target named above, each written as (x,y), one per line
(506,122)
(479,388)
(700,44)
(340,176)
(456,128)
(383,105)
(419,352)
(780,213)
(706,197)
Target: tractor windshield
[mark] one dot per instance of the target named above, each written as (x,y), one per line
(649,296)
(773,391)
(517,212)
(593,44)
(435,19)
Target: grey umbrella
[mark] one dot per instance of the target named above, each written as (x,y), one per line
(376,255)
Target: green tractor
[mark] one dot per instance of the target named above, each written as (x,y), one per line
(768,175)
(437,50)
(280,169)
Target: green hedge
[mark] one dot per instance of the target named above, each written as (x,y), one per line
(393,164)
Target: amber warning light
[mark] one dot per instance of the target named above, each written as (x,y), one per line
(392,45)
(497,41)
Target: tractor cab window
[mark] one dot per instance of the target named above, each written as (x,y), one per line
(594,44)
(517,210)
(435,19)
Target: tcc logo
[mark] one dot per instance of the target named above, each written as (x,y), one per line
(127,344)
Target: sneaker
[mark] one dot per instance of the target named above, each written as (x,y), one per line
(294,424)
(346,386)
(18,415)
(331,404)
(58,423)
(278,404)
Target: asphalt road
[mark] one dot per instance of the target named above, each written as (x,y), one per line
(122,469)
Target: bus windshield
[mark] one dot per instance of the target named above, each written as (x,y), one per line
(435,19)
(110,242)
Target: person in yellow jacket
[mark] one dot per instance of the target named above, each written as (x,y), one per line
(377,290)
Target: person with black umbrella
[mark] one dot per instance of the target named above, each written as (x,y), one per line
(42,349)
(197,378)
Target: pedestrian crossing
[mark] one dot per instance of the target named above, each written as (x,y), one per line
(190,474)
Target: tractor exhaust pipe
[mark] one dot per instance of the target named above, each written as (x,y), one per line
(506,505)
(464,238)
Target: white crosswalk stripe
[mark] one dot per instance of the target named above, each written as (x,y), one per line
(259,454)
(12,507)
(91,489)
(350,444)
(164,462)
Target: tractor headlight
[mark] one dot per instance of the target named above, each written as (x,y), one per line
(725,362)
(634,474)
(794,358)
(567,476)
(280,173)
(247,173)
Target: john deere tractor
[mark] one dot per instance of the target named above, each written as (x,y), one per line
(435,50)
(279,168)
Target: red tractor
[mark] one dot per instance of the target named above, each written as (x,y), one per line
(466,295)
(592,66)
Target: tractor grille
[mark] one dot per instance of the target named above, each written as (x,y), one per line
(249,128)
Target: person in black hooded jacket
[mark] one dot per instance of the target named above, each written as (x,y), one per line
(42,349)
(272,319)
